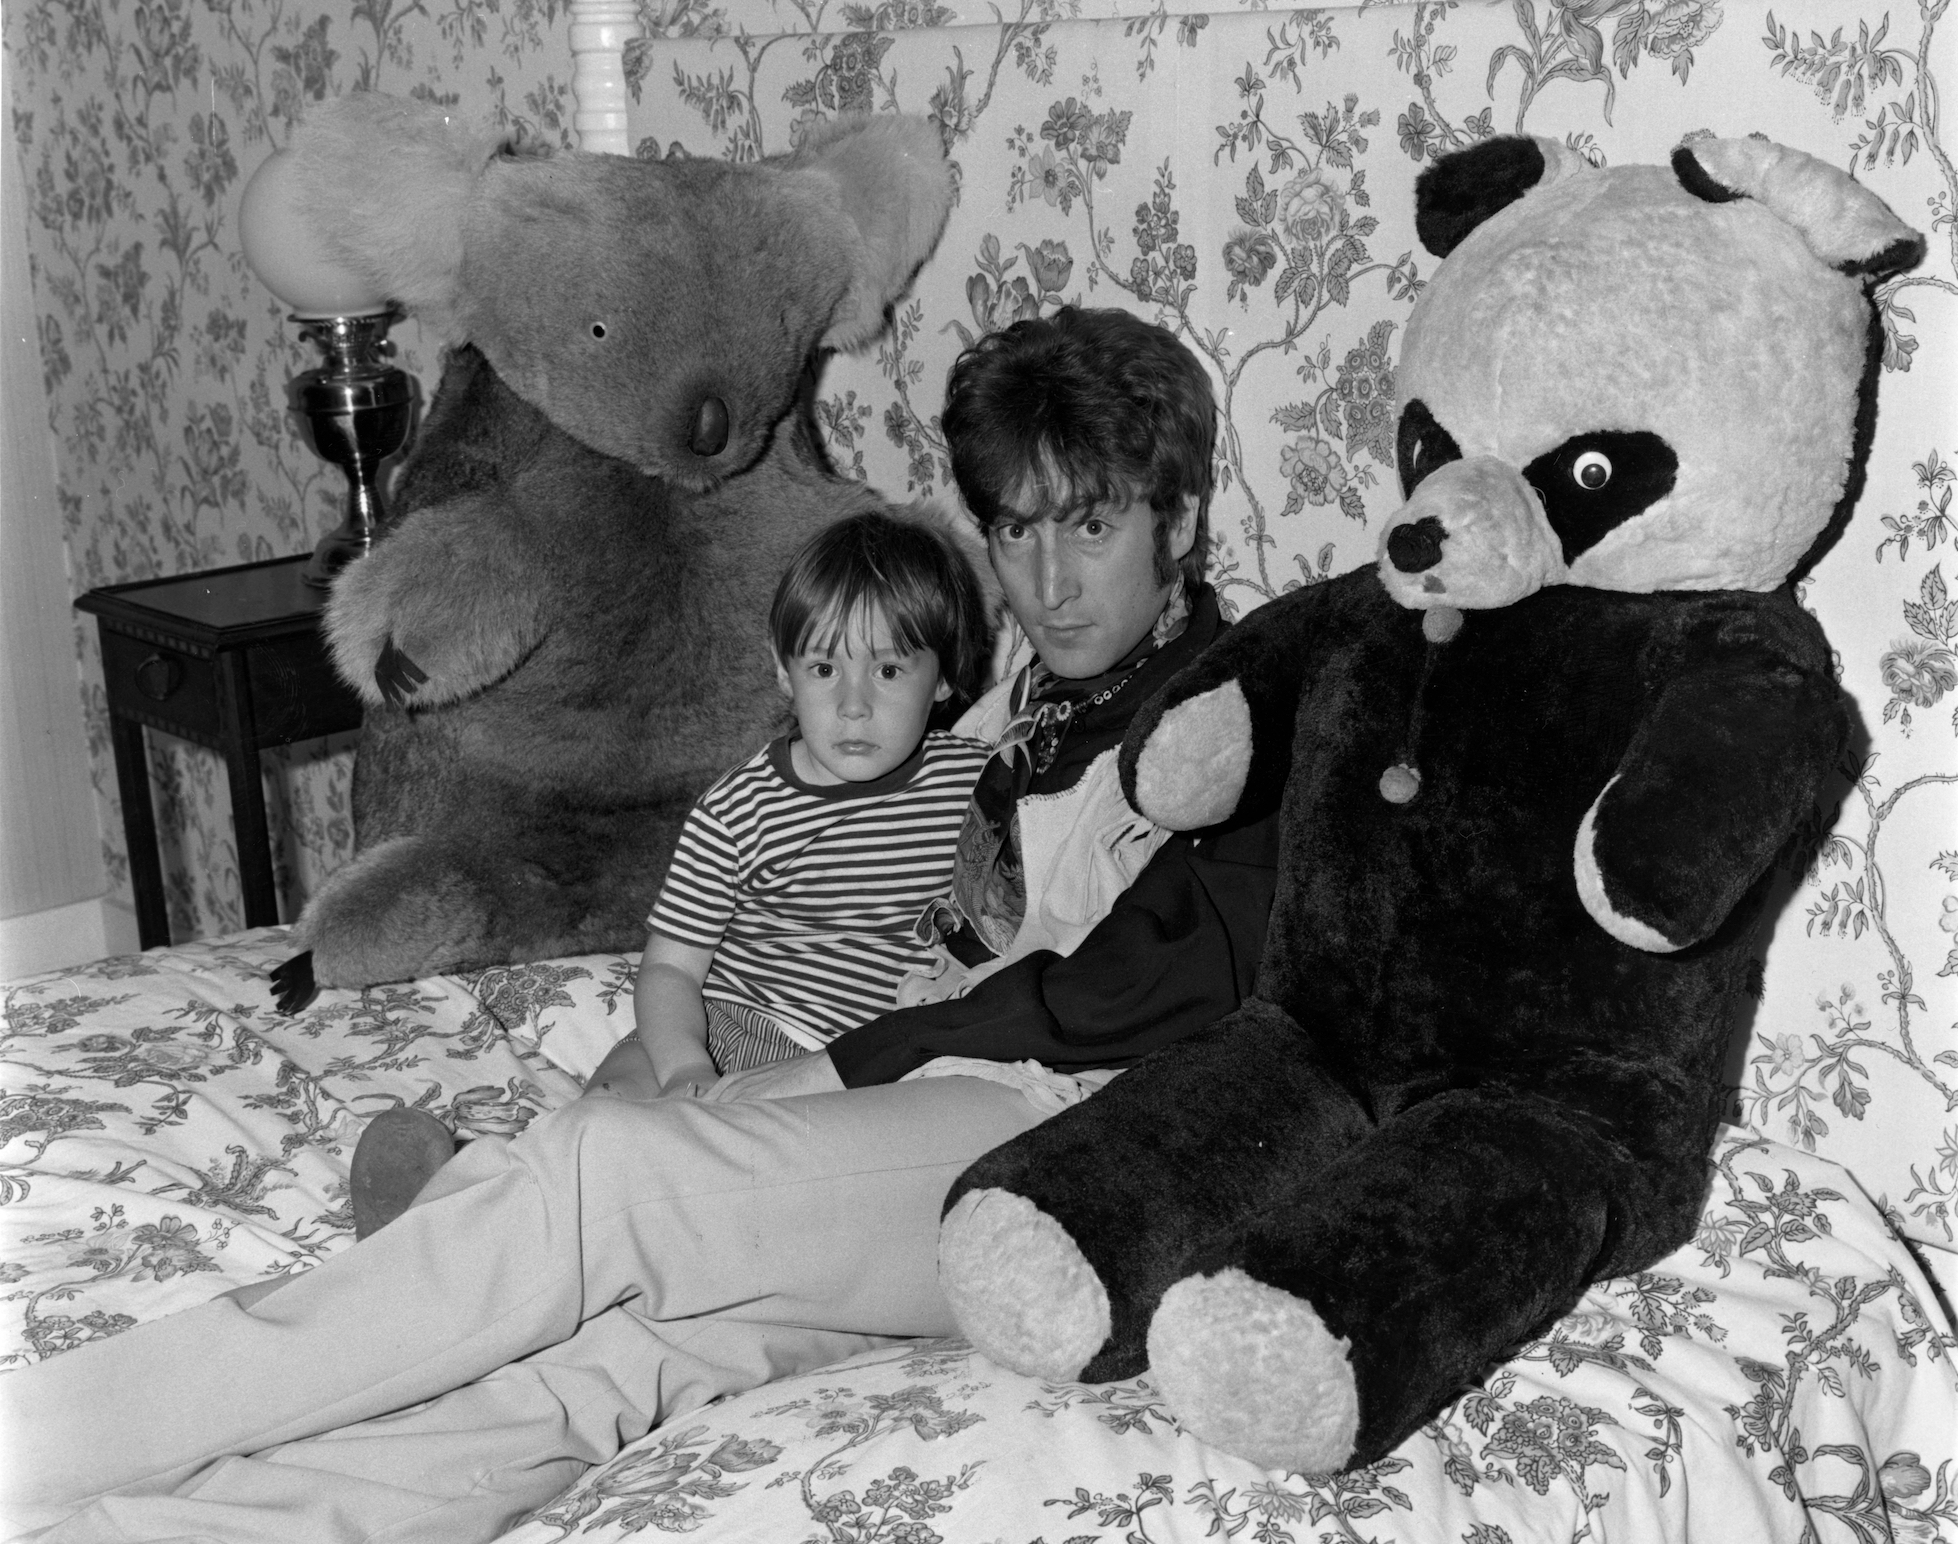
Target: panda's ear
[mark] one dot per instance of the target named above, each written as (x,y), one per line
(1843,222)
(1462,190)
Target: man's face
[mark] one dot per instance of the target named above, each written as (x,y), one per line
(1083,585)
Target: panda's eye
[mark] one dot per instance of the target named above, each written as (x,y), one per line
(1595,482)
(1420,446)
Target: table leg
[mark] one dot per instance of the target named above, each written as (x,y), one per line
(248,821)
(139,830)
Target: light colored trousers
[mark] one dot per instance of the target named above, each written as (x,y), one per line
(616,1265)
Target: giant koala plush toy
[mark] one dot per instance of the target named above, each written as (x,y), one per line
(1534,770)
(561,637)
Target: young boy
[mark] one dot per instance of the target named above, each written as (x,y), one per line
(788,914)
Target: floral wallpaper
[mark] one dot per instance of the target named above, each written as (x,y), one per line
(1242,174)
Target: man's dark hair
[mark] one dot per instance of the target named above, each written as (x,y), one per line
(1091,407)
(912,574)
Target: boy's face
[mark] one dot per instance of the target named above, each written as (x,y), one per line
(860,701)
(1084,584)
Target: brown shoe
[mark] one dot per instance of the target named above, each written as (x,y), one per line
(397,1154)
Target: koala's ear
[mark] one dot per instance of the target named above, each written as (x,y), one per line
(387,184)
(889,178)
(1843,222)
(1462,190)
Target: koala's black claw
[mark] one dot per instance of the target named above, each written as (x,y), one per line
(396,675)
(293,986)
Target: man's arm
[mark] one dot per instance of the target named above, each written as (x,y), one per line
(1179,950)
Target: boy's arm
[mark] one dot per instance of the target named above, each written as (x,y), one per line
(667,1053)
(671,1014)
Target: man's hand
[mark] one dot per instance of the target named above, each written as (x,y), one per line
(813,1073)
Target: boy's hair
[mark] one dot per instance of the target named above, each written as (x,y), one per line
(913,575)
(1095,406)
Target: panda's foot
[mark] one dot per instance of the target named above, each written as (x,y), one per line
(1022,1292)
(1254,1371)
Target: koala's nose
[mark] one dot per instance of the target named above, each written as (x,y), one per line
(1416,547)
(709,436)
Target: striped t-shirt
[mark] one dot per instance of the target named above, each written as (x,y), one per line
(809,894)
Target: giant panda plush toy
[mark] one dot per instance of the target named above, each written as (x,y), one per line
(1535,769)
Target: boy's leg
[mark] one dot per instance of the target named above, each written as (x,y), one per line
(753,1233)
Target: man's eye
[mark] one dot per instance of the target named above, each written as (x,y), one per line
(1094,527)
(1011,531)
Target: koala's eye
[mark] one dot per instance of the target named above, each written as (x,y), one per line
(598,329)
(1591,471)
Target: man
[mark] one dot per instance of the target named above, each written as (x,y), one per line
(558,1294)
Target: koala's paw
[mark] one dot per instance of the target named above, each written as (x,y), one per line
(1193,767)
(1023,1294)
(293,986)
(396,676)
(1254,1371)
(1591,890)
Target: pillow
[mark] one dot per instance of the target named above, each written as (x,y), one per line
(571,1010)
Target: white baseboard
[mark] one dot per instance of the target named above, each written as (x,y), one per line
(64,936)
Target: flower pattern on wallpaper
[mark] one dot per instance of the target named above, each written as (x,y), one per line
(1241,173)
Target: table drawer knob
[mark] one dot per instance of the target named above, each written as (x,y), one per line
(158,676)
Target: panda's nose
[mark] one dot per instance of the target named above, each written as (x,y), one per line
(1416,547)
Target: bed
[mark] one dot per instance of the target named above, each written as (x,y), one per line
(1791,1374)
(1787,1375)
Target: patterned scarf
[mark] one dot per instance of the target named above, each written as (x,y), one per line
(1044,750)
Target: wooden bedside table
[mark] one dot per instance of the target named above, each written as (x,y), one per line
(233,659)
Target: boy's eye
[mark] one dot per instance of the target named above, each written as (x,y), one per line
(889,672)
(822,669)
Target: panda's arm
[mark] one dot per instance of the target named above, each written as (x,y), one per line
(1217,741)
(1718,779)
(447,603)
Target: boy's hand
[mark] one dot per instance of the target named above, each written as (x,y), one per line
(689,1081)
(813,1073)
(626,1073)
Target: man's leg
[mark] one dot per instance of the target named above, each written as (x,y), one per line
(465,1467)
(740,1240)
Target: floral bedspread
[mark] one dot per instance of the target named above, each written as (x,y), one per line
(164,1133)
